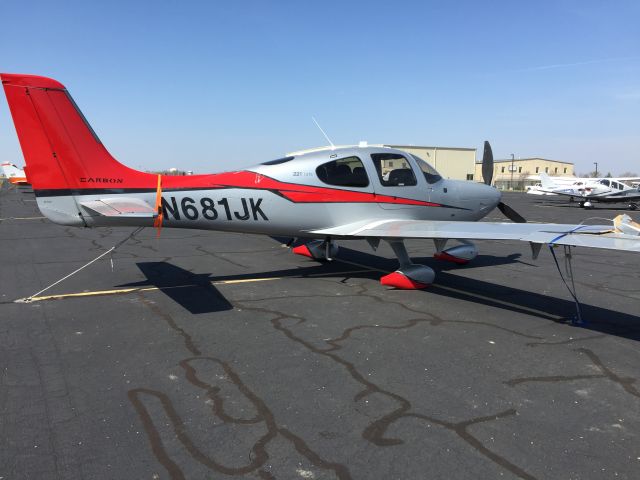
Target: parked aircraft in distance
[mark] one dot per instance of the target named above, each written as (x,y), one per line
(324,196)
(14,174)
(589,190)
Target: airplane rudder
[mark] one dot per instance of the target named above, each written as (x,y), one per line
(34,142)
(59,145)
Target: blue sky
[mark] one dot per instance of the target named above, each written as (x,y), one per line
(214,85)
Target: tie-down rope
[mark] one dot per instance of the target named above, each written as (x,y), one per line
(30,297)
(569,271)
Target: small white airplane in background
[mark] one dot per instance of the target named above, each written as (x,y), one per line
(538,189)
(14,174)
(588,190)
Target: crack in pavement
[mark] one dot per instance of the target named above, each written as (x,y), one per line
(625,382)
(376,430)
(263,415)
(363,292)
(186,337)
(217,255)
(569,341)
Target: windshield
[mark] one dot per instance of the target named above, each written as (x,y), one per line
(430,173)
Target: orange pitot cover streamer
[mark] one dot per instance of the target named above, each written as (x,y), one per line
(158,207)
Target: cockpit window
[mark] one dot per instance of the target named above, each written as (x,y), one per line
(394,170)
(344,172)
(604,182)
(430,173)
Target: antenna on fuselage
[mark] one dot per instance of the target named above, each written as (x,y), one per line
(325,135)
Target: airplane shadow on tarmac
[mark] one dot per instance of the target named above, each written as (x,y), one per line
(594,318)
(507,298)
(192,291)
(197,294)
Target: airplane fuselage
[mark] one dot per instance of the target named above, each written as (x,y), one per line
(293,196)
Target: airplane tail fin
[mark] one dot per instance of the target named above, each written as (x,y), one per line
(60,148)
(546,182)
(64,156)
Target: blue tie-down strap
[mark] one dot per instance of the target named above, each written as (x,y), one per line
(562,235)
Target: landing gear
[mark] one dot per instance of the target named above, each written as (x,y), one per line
(318,250)
(587,205)
(633,206)
(409,276)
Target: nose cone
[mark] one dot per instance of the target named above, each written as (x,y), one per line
(477,198)
(479,195)
(489,197)
(496,195)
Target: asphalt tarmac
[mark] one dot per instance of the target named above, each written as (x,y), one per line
(205,355)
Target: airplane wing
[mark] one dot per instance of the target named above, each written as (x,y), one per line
(624,235)
(119,207)
(568,192)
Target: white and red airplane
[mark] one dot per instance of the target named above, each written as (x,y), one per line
(328,195)
(14,174)
(591,190)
